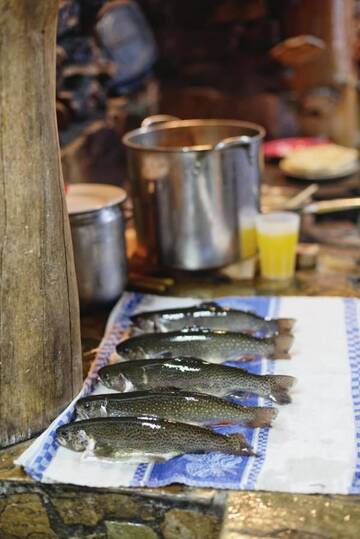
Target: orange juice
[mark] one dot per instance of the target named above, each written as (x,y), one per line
(247,234)
(247,242)
(277,236)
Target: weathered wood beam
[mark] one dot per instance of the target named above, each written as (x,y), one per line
(40,351)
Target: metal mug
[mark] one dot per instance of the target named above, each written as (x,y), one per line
(190,179)
(98,236)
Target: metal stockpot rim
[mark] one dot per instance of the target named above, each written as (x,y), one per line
(85,188)
(100,216)
(127,138)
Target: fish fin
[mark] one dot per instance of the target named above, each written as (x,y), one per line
(283,344)
(238,395)
(282,355)
(138,457)
(165,355)
(247,332)
(222,423)
(280,386)
(155,457)
(285,381)
(285,325)
(103,450)
(240,445)
(211,305)
(263,418)
(247,357)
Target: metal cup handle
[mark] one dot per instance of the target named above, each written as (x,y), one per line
(233,142)
(157,119)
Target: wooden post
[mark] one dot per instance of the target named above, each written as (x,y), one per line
(326,86)
(40,350)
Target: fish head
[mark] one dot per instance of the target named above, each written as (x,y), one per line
(142,324)
(87,408)
(72,437)
(117,381)
(126,351)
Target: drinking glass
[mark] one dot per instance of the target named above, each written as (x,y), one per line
(277,236)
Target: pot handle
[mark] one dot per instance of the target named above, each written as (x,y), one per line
(332,206)
(233,142)
(157,119)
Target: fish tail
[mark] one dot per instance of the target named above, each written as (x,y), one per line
(280,386)
(285,325)
(239,446)
(283,343)
(263,418)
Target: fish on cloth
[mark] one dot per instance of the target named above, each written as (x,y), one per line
(314,444)
(186,406)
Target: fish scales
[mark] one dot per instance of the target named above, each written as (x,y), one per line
(211,316)
(117,437)
(194,374)
(212,345)
(176,405)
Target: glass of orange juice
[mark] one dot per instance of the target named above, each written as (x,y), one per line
(247,234)
(277,236)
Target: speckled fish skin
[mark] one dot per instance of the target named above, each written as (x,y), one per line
(190,407)
(211,316)
(194,374)
(213,345)
(124,436)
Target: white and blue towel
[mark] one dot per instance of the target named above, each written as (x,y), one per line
(314,445)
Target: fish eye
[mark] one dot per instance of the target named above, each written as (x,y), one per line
(62,436)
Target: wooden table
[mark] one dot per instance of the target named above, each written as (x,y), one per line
(32,510)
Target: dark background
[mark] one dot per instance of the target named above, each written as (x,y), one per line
(120,61)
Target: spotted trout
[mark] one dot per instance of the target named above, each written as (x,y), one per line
(190,407)
(194,374)
(208,315)
(139,437)
(213,345)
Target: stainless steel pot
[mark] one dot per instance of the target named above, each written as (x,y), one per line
(190,179)
(97,229)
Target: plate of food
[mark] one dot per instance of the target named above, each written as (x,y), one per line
(322,162)
(279,148)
